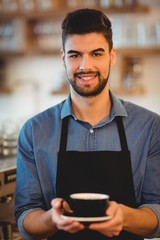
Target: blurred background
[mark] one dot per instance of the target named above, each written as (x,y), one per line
(32,76)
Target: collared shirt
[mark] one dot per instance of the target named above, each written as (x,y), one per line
(38,148)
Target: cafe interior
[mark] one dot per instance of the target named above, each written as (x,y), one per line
(32,76)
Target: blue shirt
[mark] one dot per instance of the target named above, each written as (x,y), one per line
(38,148)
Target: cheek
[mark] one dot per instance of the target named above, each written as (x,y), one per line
(105,70)
(70,68)
(69,71)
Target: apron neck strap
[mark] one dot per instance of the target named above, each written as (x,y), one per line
(64,131)
(121,132)
(122,135)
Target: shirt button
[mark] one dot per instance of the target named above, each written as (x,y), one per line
(91,130)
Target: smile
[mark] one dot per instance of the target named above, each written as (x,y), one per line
(87,76)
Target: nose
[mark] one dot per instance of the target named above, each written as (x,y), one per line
(85,63)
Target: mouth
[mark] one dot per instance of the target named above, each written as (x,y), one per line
(86,76)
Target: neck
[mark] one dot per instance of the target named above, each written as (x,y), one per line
(91,109)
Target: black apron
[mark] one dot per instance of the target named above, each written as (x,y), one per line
(106,172)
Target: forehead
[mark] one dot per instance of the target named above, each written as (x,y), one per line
(86,42)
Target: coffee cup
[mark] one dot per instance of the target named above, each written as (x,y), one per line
(88,204)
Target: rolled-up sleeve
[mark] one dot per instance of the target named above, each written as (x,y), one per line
(28,188)
(156,209)
(21,229)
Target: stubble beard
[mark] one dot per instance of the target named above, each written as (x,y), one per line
(86,90)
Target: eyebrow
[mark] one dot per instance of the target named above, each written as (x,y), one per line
(72,51)
(99,50)
(95,50)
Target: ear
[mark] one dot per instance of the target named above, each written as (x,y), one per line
(113,56)
(63,56)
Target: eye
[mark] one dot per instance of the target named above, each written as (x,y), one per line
(96,54)
(75,55)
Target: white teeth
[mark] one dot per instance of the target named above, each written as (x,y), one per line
(87,78)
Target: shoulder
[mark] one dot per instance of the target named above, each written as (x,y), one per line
(139,118)
(44,120)
(135,111)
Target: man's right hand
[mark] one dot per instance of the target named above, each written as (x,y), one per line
(63,224)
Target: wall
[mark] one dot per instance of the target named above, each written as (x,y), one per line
(33,78)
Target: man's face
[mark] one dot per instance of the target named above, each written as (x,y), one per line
(87,61)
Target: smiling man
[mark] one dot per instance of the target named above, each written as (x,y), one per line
(90,65)
(91,142)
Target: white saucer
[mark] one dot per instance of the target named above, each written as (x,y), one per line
(87,219)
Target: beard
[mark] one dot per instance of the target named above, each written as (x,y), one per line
(87,91)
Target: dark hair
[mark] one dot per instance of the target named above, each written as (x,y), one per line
(84,21)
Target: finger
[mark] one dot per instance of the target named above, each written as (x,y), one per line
(69,225)
(63,224)
(107,229)
(112,234)
(56,210)
(66,207)
(73,227)
(112,209)
(57,219)
(56,203)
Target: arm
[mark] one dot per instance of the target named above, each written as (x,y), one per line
(137,221)
(41,224)
(140,221)
(30,204)
(38,224)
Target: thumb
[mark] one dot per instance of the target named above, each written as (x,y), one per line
(111,210)
(57,203)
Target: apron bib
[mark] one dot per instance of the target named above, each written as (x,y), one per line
(106,172)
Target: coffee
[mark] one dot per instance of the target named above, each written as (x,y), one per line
(89,204)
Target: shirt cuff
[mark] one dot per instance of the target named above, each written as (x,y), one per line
(23,233)
(156,209)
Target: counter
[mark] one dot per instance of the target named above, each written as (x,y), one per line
(7,176)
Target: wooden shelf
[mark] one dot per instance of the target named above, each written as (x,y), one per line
(42,51)
(57,13)
(5,90)
(30,41)
(15,53)
(136,8)
(27,20)
(128,92)
(138,51)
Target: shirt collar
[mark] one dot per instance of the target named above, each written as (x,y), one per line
(118,108)
(66,108)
